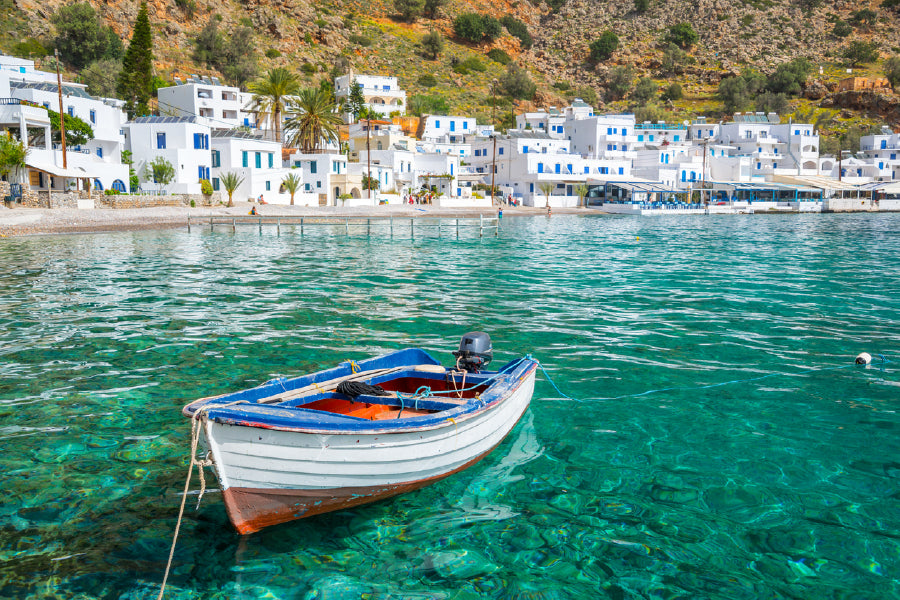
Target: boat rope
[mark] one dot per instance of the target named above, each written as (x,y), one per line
(400,398)
(884,361)
(197,421)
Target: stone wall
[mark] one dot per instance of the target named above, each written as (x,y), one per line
(148,200)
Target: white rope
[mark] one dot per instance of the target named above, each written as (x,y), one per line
(197,422)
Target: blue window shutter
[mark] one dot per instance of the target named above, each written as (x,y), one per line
(312,166)
(271,159)
(500,151)
(244,160)
(621,170)
(197,143)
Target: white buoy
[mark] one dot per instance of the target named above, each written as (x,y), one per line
(864,358)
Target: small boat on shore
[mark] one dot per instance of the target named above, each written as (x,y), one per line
(359,432)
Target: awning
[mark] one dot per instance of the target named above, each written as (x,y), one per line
(653,187)
(74,172)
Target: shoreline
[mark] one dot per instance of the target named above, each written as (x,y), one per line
(25,222)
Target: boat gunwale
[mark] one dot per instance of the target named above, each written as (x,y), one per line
(497,393)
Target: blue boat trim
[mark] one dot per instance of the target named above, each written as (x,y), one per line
(291,415)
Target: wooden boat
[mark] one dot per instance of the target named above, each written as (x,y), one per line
(294,448)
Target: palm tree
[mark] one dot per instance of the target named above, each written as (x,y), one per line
(231,181)
(272,93)
(291,183)
(581,189)
(316,120)
(547,188)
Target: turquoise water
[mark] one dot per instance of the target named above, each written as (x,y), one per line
(784,484)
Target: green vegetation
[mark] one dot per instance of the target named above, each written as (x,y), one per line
(421,104)
(360,40)
(789,78)
(673,92)
(516,83)
(134,182)
(188,7)
(316,120)
(97,76)
(859,52)
(273,53)
(355,100)
(206,187)
(682,35)
(291,183)
(618,82)
(603,48)
(433,8)
(499,56)
(768,94)
(234,56)
(29,48)
(864,18)
(427,80)
(432,44)
(641,6)
(409,10)
(517,29)
(644,91)
(78,131)
(673,60)
(476,28)
(230,181)
(135,82)
(12,154)
(272,93)
(841,29)
(891,68)
(473,63)
(160,171)
(81,37)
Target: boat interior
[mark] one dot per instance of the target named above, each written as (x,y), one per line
(452,389)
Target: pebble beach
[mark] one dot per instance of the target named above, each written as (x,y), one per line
(42,221)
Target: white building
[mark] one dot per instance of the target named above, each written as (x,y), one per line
(380,93)
(224,107)
(257,162)
(775,148)
(450,129)
(524,160)
(97,161)
(603,136)
(183,141)
(883,151)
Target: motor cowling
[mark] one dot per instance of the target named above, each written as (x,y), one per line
(475,351)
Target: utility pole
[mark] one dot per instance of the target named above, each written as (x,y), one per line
(493,167)
(703,175)
(369,153)
(62,122)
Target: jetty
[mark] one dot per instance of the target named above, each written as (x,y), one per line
(400,225)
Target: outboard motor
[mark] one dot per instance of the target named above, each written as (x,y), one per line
(475,351)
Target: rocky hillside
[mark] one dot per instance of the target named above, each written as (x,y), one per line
(732,35)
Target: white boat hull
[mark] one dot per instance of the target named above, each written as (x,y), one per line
(271,476)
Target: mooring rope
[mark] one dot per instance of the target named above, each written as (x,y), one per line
(884,361)
(196,429)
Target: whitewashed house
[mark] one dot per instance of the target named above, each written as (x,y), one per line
(97,161)
(775,148)
(224,107)
(380,93)
(603,136)
(257,161)
(183,141)
(883,151)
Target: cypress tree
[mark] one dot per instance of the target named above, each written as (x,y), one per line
(135,82)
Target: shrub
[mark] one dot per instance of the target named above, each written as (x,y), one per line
(859,52)
(682,35)
(891,68)
(433,7)
(427,80)
(421,104)
(618,82)
(433,44)
(189,7)
(273,53)
(789,78)
(81,36)
(308,68)
(30,48)
(673,92)
(517,29)
(645,90)
(409,10)
(641,6)
(562,85)
(491,27)
(468,27)
(360,40)
(470,64)
(206,187)
(603,48)
(517,83)
(841,29)
(499,56)
(890,4)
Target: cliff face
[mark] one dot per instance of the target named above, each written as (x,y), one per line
(732,35)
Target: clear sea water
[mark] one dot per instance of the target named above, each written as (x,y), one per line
(768,466)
